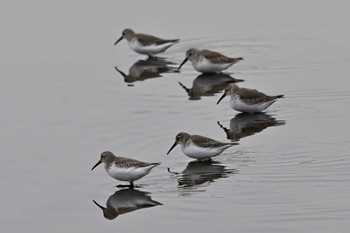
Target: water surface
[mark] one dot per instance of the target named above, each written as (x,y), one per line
(68,94)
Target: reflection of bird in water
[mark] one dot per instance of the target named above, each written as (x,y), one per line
(198,172)
(208,85)
(245,124)
(125,201)
(146,69)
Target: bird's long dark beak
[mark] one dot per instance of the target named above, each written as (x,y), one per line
(186,59)
(118,40)
(98,163)
(172,147)
(223,96)
(103,208)
(120,72)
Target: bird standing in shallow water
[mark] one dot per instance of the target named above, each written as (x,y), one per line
(248,100)
(207,61)
(145,44)
(200,147)
(124,169)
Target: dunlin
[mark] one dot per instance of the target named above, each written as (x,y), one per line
(146,44)
(200,147)
(207,61)
(248,100)
(124,169)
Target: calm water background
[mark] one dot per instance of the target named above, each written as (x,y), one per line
(63,103)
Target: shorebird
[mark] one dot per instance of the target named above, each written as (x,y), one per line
(248,100)
(145,44)
(207,61)
(124,169)
(200,147)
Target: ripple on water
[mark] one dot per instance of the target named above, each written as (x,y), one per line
(267,55)
(267,173)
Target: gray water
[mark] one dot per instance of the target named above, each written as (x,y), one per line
(63,103)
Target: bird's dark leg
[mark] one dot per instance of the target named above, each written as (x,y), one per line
(205,160)
(131,185)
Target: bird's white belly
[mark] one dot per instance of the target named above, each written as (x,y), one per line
(149,49)
(127,174)
(206,66)
(196,152)
(239,105)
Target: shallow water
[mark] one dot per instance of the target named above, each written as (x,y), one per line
(68,94)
